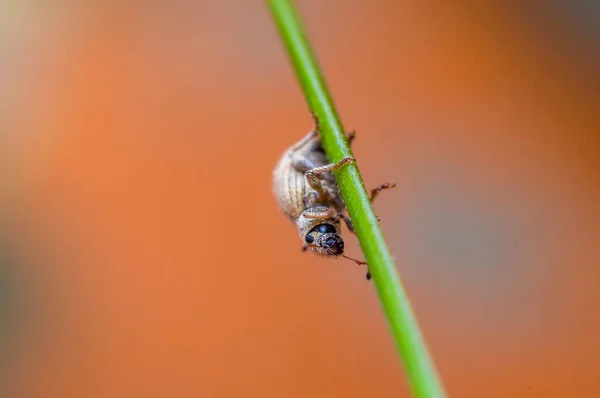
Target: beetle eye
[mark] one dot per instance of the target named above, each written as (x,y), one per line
(309,239)
(324,228)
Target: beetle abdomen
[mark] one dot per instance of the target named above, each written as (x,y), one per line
(290,188)
(290,184)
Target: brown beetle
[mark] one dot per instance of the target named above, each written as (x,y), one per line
(308,194)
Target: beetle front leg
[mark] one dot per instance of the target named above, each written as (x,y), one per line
(313,176)
(347,220)
(320,213)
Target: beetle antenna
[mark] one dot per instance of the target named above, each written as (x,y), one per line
(360,263)
(356,261)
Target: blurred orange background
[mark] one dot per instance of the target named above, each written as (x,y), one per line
(143,254)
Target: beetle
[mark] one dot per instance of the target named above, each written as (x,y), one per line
(308,194)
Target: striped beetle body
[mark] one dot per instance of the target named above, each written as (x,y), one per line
(307,193)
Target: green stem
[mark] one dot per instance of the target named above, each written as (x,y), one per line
(421,372)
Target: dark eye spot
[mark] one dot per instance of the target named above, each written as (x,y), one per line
(325,228)
(309,239)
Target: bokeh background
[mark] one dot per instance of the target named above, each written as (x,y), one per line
(142,252)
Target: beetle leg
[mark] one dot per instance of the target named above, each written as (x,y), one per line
(321,213)
(315,120)
(301,163)
(360,263)
(375,191)
(306,201)
(313,176)
(304,165)
(347,220)
(350,137)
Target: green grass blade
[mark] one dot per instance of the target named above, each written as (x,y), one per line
(419,367)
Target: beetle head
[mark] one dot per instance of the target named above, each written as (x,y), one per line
(325,240)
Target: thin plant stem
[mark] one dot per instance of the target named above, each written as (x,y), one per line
(420,369)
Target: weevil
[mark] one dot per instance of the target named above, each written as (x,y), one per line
(307,192)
